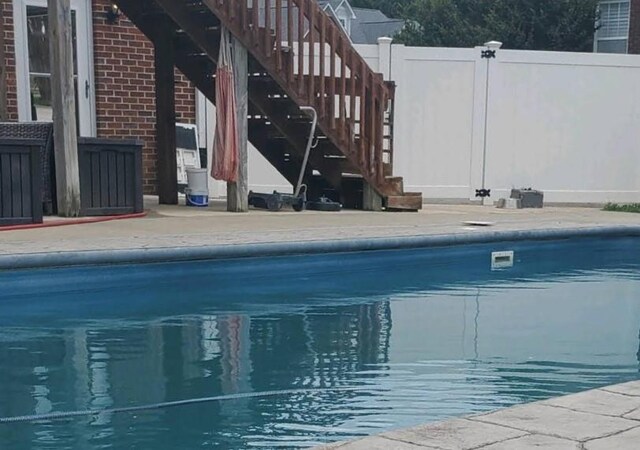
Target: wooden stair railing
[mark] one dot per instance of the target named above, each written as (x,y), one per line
(319,67)
(287,69)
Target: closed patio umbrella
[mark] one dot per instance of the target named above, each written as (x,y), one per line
(225,143)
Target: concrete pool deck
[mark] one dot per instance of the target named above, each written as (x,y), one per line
(182,227)
(601,419)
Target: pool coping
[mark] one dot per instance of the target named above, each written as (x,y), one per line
(235,251)
(598,419)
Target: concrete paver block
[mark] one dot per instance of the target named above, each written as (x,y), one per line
(635,415)
(331,446)
(631,388)
(535,441)
(560,422)
(597,402)
(377,443)
(627,440)
(457,434)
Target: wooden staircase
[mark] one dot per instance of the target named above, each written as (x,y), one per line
(317,67)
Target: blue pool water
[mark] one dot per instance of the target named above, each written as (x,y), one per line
(367,341)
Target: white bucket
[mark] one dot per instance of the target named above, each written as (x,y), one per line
(197,181)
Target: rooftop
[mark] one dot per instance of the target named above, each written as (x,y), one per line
(370,24)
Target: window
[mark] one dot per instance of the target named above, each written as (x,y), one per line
(39,72)
(32,62)
(613,32)
(346,24)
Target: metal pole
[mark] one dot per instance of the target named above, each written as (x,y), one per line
(314,123)
(494,46)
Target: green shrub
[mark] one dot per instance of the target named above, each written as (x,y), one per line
(631,207)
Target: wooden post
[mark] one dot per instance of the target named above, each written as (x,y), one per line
(238,192)
(371,200)
(167,166)
(65,135)
(4,114)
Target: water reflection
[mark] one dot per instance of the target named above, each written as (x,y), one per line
(427,347)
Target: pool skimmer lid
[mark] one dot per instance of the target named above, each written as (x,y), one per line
(502,260)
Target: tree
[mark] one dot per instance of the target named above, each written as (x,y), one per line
(562,25)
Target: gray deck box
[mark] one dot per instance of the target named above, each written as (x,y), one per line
(529,198)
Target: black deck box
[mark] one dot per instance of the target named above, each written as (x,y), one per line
(110,176)
(20,181)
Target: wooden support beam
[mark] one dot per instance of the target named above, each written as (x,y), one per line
(167,184)
(371,200)
(65,136)
(4,113)
(238,192)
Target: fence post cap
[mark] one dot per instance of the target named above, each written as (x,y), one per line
(493,45)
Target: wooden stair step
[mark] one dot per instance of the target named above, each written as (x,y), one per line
(395,183)
(343,164)
(409,201)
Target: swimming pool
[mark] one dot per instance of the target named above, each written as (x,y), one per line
(327,347)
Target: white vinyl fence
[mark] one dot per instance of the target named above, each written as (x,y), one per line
(564,123)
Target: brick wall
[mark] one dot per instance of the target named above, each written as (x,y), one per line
(124,83)
(3,78)
(6,22)
(634,28)
(125,93)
